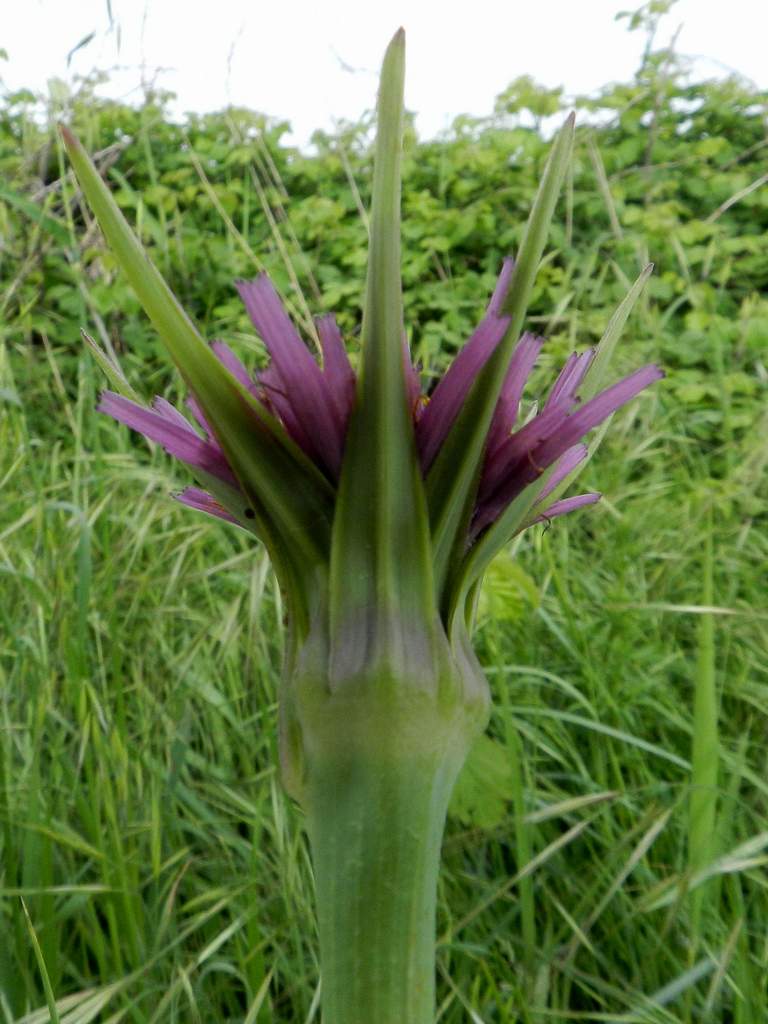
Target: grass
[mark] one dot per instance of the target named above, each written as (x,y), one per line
(613,866)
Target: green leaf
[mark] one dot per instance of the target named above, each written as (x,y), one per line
(508,592)
(381,563)
(484,786)
(452,481)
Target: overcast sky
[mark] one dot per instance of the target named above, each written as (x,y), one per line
(311,62)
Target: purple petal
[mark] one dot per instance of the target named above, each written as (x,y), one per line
(570,377)
(593,412)
(168,412)
(435,420)
(520,366)
(561,508)
(534,448)
(193,497)
(301,379)
(337,370)
(197,411)
(169,428)
(171,413)
(566,465)
(451,391)
(230,362)
(276,398)
(502,287)
(518,447)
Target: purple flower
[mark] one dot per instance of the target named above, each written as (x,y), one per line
(314,403)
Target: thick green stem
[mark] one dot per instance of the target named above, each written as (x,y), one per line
(373,759)
(376,826)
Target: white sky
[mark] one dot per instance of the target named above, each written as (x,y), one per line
(311,63)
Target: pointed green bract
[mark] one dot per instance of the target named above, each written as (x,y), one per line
(452,481)
(111,369)
(288,493)
(380,567)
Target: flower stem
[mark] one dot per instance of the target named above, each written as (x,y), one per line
(376,824)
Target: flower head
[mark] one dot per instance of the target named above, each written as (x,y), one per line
(314,405)
(380,508)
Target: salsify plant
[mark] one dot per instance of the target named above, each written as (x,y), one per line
(380,509)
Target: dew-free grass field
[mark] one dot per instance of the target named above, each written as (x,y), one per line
(605,855)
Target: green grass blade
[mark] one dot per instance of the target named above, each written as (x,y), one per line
(705,755)
(596,376)
(50,998)
(523,847)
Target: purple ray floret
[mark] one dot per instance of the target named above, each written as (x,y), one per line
(537,445)
(561,508)
(570,377)
(337,372)
(194,497)
(569,461)
(448,397)
(502,287)
(229,360)
(294,375)
(593,412)
(517,446)
(508,406)
(197,411)
(277,399)
(169,428)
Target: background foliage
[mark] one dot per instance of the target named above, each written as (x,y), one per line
(605,853)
